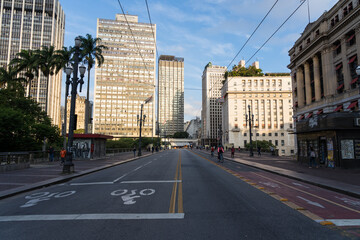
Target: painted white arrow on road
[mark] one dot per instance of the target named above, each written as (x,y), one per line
(300,185)
(311,202)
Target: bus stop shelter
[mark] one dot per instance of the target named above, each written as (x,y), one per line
(88,146)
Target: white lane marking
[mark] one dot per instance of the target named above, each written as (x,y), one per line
(300,185)
(110,216)
(349,201)
(343,222)
(270,184)
(128,198)
(118,179)
(155,181)
(92,183)
(311,202)
(35,198)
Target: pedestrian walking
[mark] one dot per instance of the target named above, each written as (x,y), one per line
(232,151)
(259,151)
(312,160)
(152,149)
(220,154)
(212,151)
(62,156)
(272,150)
(51,154)
(239,148)
(134,150)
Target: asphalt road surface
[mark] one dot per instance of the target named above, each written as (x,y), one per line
(176,194)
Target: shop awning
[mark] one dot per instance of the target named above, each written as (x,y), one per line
(354,80)
(352,59)
(319,112)
(338,108)
(338,66)
(340,86)
(309,115)
(352,105)
(301,117)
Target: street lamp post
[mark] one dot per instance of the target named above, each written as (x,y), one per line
(250,118)
(141,121)
(69,166)
(65,110)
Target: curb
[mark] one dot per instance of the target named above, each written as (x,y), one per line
(332,188)
(61,179)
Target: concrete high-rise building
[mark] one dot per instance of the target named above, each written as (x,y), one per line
(126,78)
(323,64)
(211,114)
(270,101)
(30,24)
(170,95)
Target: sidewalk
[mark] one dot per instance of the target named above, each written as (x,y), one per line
(48,173)
(346,181)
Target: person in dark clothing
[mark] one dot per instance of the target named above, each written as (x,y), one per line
(259,151)
(51,154)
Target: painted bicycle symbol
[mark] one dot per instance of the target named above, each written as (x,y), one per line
(128,197)
(35,198)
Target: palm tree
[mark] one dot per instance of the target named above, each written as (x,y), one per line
(26,60)
(91,50)
(49,63)
(9,77)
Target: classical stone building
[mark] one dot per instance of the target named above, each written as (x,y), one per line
(31,24)
(126,78)
(270,101)
(170,95)
(79,112)
(326,86)
(212,79)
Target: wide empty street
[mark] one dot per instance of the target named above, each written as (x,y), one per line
(174,194)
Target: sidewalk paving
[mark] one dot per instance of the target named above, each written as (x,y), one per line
(48,173)
(346,181)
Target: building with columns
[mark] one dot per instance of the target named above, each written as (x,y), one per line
(326,87)
(212,81)
(270,101)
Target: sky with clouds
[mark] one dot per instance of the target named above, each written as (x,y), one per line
(203,31)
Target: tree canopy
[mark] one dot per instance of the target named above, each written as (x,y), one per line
(23,125)
(181,135)
(251,71)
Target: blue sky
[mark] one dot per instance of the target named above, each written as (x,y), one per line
(203,31)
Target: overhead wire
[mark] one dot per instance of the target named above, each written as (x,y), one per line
(263,19)
(137,46)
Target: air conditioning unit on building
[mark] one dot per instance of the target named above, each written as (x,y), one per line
(357,122)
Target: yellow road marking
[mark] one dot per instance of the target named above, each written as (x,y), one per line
(324,199)
(329,201)
(178,176)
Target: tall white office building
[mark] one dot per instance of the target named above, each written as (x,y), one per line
(126,78)
(30,24)
(170,95)
(211,114)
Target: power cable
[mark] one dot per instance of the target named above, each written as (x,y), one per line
(134,37)
(276,30)
(252,34)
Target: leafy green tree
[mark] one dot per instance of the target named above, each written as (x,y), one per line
(181,135)
(26,60)
(23,125)
(9,78)
(243,71)
(265,145)
(91,50)
(50,63)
